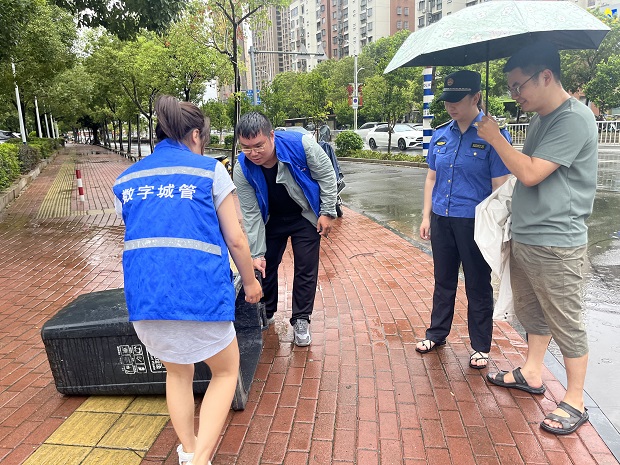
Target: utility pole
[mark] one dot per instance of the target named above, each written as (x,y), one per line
(356,99)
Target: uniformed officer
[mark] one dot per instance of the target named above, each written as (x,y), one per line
(463,170)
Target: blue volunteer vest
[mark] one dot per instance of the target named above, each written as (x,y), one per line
(289,150)
(175,261)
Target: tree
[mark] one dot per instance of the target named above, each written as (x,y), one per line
(310,97)
(192,64)
(124,19)
(390,95)
(71,92)
(277,97)
(42,51)
(14,15)
(604,88)
(144,74)
(580,67)
(220,25)
(217,113)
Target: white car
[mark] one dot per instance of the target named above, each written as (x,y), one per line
(403,136)
(365,128)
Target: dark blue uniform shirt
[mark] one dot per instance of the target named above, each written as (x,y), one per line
(464,165)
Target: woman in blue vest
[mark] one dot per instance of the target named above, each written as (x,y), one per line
(181,223)
(463,170)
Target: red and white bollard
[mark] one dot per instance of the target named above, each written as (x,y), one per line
(78,175)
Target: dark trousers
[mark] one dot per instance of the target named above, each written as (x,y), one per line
(452,240)
(306,244)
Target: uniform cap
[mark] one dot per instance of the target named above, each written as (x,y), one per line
(459,84)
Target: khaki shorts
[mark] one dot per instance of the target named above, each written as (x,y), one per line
(547,286)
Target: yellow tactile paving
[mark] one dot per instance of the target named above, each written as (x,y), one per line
(58,455)
(57,202)
(155,405)
(106,430)
(83,429)
(113,457)
(136,432)
(107,404)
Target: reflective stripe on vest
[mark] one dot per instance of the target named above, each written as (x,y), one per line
(174,242)
(171,170)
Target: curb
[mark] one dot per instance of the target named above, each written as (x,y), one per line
(385,162)
(14,191)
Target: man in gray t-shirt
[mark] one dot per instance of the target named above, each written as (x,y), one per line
(553,197)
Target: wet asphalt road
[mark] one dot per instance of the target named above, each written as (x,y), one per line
(393,196)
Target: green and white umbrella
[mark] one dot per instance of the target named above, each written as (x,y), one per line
(497,29)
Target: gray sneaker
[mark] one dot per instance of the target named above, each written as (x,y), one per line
(301,331)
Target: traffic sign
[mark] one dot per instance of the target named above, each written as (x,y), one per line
(355,103)
(250,95)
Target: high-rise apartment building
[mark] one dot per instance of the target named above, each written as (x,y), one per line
(272,36)
(430,11)
(337,28)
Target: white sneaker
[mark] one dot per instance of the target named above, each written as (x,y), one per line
(185,458)
(271,320)
(301,331)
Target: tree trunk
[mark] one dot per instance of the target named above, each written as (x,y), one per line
(120,135)
(237,96)
(150,118)
(114,134)
(139,138)
(129,136)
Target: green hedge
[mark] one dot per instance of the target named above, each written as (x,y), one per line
(9,164)
(215,140)
(16,158)
(29,157)
(373,155)
(348,141)
(229,140)
(45,146)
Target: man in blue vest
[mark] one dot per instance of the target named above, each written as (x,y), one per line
(286,187)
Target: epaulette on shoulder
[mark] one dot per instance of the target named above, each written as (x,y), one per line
(443,124)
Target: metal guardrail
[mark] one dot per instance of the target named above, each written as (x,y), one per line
(608,132)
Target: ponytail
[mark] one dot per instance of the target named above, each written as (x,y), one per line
(175,119)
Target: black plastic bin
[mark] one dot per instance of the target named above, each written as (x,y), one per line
(93,349)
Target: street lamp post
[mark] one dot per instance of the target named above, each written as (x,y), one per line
(356,91)
(22,129)
(36,109)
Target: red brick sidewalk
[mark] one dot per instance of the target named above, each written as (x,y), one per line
(359,395)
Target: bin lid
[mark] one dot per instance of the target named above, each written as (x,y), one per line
(102,313)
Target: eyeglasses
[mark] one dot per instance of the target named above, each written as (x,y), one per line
(257,148)
(516,90)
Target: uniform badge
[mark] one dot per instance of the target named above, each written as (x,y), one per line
(450,82)
(478,146)
(440,142)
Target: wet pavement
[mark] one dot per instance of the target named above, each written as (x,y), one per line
(360,394)
(393,196)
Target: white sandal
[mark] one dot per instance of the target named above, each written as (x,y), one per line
(185,458)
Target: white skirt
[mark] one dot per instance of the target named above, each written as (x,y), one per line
(184,342)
